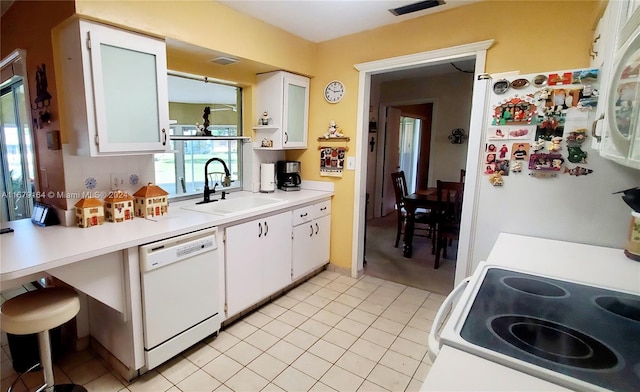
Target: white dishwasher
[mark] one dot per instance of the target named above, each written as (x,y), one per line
(180,293)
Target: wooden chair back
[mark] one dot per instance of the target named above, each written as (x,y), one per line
(450,200)
(399,188)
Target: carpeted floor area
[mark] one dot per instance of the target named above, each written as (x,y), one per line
(386,262)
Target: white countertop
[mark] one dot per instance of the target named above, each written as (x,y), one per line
(456,370)
(32,249)
(580,263)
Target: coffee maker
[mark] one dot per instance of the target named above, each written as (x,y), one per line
(288,175)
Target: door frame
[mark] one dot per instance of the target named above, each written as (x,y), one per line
(376,199)
(477,50)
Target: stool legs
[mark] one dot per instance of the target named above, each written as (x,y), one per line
(44,345)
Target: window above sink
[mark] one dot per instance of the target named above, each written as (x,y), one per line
(200,105)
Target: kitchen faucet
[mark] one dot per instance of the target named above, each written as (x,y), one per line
(225,182)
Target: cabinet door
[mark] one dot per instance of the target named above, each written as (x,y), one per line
(302,257)
(129,74)
(322,240)
(296,112)
(275,249)
(623,115)
(243,261)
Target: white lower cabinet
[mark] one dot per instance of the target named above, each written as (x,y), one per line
(311,238)
(258,260)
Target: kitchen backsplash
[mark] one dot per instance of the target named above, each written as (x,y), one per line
(91,177)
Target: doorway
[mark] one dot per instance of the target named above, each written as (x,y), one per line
(17,161)
(475,51)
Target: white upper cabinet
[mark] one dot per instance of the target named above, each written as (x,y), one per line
(113,87)
(617,131)
(285,97)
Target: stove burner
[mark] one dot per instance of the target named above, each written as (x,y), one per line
(553,342)
(624,307)
(534,286)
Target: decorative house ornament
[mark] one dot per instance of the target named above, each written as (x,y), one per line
(118,207)
(89,212)
(150,201)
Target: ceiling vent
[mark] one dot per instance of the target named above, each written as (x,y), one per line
(222,60)
(415,7)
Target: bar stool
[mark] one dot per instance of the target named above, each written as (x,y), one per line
(37,312)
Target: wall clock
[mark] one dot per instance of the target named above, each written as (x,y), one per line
(334,91)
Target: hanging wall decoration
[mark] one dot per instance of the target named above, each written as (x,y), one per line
(43,98)
(332,161)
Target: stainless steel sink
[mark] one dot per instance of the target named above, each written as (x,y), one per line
(231,206)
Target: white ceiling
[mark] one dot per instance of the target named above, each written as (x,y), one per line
(319,21)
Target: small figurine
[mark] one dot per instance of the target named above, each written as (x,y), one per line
(333,131)
(517,167)
(496,179)
(205,116)
(265,118)
(538,145)
(556,164)
(555,144)
(577,171)
(199,130)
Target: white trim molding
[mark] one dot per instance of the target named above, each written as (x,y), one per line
(477,51)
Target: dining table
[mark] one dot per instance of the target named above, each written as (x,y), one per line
(424,199)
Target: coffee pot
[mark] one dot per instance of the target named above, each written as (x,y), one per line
(288,175)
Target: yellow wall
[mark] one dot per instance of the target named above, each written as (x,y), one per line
(529,37)
(210,25)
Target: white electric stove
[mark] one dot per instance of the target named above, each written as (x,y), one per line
(573,323)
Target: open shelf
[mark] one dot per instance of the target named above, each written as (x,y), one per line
(186,138)
(334,139)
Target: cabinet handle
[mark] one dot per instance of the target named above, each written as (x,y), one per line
(311,233)
(323,208)
(593,128)
(303,215)
(286,137)
(317,229)
(266,228)
(164,137)
(260,227)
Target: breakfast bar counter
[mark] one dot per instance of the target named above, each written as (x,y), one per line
(31,249)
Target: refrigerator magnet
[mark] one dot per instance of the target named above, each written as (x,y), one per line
(520,83)
(501,86)
(540,81)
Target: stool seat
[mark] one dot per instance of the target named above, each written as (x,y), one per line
(39,310)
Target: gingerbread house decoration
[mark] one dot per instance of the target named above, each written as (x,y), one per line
(118,207)
(150,201)
(89,212)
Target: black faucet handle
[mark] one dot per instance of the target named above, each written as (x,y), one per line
(224,195)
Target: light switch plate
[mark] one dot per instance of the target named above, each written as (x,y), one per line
(351,163)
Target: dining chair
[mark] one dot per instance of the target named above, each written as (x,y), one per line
(423,220)
(448,216)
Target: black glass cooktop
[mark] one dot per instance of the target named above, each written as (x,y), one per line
(584,332)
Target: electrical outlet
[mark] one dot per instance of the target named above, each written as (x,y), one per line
(351,163)
(118,181)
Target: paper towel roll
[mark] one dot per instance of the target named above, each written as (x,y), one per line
(267,177)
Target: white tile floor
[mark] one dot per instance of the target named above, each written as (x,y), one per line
(332,333)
